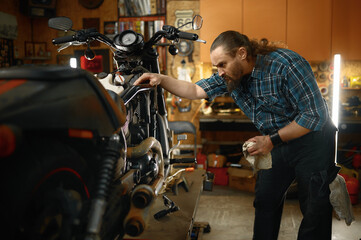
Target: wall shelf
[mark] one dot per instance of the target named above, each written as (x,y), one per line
(349,88)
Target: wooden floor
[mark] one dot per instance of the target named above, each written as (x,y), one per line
(230,214)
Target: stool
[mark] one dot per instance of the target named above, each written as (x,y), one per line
(182,127)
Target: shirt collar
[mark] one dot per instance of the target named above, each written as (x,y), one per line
(257,72)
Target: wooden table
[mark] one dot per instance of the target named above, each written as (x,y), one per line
(177,225)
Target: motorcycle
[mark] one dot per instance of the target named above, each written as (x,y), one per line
(84,157)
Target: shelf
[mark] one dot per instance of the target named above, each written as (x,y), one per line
(141,18)
(38,58)
(205,141)
(128,8)
(225,122)
(349,88)
(354,119)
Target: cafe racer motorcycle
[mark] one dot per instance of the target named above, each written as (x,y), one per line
(83,157)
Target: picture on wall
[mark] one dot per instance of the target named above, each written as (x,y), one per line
(39,49)
(29,49)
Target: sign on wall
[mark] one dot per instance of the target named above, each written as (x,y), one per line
(182,17)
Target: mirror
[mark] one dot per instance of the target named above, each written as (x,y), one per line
(197,22)
(60,23)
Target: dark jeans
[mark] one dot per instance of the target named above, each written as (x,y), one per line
(310,160)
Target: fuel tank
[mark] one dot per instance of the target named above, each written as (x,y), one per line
(57,97)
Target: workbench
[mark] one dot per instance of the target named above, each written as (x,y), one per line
(176,225)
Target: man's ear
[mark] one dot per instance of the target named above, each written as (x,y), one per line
(242,53)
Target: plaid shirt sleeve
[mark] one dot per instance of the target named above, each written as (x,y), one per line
(213,86)
(306,96)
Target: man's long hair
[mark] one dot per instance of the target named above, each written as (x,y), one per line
(231,41)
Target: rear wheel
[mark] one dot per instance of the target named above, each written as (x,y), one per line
(50,195)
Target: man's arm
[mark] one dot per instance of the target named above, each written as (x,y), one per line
(177,87)
(264,145)
(292,131)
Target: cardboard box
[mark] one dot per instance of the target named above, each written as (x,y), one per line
(242,179)
(216,160)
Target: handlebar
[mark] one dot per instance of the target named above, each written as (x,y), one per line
(86,35)
(188,36)
(171,33)
(64,39)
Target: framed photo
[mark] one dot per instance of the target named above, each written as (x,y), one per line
(39,49)
(29,49)
(110,29)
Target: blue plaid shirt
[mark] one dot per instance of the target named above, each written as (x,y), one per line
(280,89)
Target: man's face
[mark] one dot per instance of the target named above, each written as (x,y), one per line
(230,68)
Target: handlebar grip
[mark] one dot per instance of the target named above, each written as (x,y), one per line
(64,39)
(188,36)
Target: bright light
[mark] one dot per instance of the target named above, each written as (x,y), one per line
(336,95)
(73,63)
(336,88)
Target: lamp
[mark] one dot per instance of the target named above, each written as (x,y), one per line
(336,93)
(73,63)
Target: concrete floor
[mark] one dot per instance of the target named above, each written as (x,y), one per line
(230,214)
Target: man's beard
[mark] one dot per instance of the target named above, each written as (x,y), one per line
(233,84)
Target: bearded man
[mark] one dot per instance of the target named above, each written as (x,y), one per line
(277,90)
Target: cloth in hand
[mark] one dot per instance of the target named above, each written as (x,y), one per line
(257,161)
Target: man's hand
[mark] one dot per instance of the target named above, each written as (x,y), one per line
(151,79)
(263,145)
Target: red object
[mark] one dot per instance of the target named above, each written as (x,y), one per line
(8,85)
(356,161)
(220,175)
(64,169)
(95,65)
(354,199)
(353,185)
(202,160)
(344,176)
(350,153)
(7,141)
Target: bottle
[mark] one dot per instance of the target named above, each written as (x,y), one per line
(345,82)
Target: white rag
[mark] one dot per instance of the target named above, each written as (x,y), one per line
(340,200)
(258,161)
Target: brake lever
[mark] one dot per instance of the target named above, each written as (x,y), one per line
(68,44)
(201,41)
(64,46)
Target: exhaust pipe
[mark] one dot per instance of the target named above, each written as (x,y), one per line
(144,194)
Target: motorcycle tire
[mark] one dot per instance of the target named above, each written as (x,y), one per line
(48,192)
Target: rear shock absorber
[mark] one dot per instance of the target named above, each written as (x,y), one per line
(98,205)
